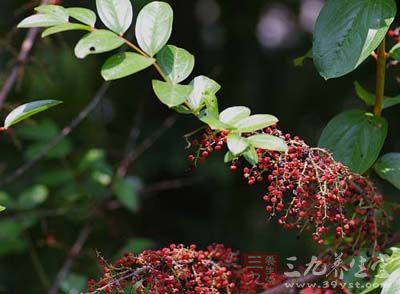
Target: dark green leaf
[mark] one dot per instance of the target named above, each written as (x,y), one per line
(388,168)
(176,63)
(84,15)
(33,197)
(154,26)
(355,138)
(268,142)
(42,131)
(364,95)
(10,237)
(115,14)
(62,149)
(27,110)
(395,52)
(126,190)
(97,42)
(124,64)
(65,27)
(171,94)
(347,32)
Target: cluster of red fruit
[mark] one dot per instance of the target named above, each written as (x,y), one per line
(395,34)
(176,269)
(308,190)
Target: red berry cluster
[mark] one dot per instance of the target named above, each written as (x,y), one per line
(395,34)
(210,141)
(176,269)
(308,190)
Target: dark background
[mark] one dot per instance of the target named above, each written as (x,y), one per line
(248,47)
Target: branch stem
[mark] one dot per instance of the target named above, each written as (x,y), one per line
(380,78)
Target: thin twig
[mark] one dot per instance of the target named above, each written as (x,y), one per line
(22,58)
(65,132)
(72,255)
(146,144)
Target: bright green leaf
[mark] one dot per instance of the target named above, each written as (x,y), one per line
(84,15)
(211,103)
(251,156)
(237,144)
(388,168)
(268,142)
(355,138)
(228,157)
(347,32)
(154,26)
(395,52)
(97,42)
(171,94)
(124,64)
(115,14)
(392,285)
(40,20)
(2,208)
(126,190)
(202,85)
(212,121)
(176,63)
(65,27)
(33,197)
(53,10)
(27,110)
(255,122)
(234,114)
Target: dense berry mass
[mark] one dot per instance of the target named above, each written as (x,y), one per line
(305,188)
(176,269)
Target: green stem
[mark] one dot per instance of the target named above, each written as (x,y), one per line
(380,78)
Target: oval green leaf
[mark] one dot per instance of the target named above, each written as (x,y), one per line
(236,143)
(234,114)
(255,122)
(355,138)
(154,26)
(98,41)
(171,94)
(84,15)
(2,208)
(388,168)
(65,27)
(53,10)
(202,85)
(176,63)
(251,155)
(347,32)
(268,142)
(27,110)
(32,197)
(126,190)
(40,20)
(115,14)
(124,64)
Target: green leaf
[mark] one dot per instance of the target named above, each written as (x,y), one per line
(171,94)
(251,156)
(202,85)
(234,114)
(126,190)
(268,142)
(347,32)
(355,138)
(40,20)
(32,197)
(229,157)
(237,144)
(212,121)
(10,237)
(97,42)
(5,200)
(2,208)
(363,94)
(27,110)
(299,61)
(115,14)
(62,149)
(154,26)
(124,64)
(369,98)
(395,52)
(388,168)
(255,122)
(176,63)
(53,10)
(44,130)
(84,15)
(65,27)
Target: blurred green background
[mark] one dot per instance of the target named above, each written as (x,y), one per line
(248,47)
